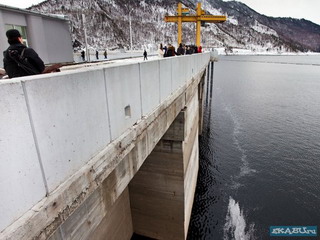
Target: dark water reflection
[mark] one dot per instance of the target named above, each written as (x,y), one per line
(260,149)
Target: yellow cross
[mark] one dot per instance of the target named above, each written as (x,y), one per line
(200,17)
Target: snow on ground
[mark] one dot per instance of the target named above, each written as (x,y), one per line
(114,57)
(240,51)
(120,58)
(232,20)
(208,7)
(263,29)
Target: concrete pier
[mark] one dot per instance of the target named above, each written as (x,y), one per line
(161,193)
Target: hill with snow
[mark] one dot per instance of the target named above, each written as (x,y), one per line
(107,24)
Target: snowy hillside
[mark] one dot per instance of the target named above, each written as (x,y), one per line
(107,24)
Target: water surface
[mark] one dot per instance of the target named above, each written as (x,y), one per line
(260,149)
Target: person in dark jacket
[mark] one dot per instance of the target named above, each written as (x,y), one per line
(171,51)
(165,49)
(145,55)
(16,47)
(83,55)
(180,50)
(188,51)
(97,54)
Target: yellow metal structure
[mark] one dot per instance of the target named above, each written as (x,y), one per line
(200,17)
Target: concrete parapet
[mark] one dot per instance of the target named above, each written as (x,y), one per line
(150,86)
(20,171)
(78,131)
(165,68)
(123,97)
(70,118)
(178,72)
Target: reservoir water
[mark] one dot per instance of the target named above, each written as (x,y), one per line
(260,148)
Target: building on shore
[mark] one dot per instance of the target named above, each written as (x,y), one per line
(48,35)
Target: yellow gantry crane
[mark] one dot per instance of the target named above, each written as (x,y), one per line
(183,15)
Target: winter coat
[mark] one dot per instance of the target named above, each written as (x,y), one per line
(160,53)
(12,68)
(180,51)
(171,52)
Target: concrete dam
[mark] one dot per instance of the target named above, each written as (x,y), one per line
(102,152)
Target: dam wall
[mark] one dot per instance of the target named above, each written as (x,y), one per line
(77,146)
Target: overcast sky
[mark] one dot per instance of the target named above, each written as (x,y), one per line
(308,9)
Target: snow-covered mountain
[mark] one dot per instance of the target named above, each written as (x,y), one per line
(107,24)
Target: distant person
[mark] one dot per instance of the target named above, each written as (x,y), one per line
(180,50)
(171,51)
(195,49)
(145,55)
(20,60)
(97,54)
(184,48)
(83,55)
(160,51)
(199,49)
(165,49)
(105,54)
(188,51)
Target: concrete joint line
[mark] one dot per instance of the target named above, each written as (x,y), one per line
(108,111)
(140,87)
(35,136)
(159,82)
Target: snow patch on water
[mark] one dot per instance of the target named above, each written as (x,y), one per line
(236,226)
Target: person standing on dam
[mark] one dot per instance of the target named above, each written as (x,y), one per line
(20,60)
(145,55)
(160,51)
(97,54)
(171,51)
(83,55)
(180,50)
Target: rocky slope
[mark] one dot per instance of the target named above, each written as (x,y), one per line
(107,24)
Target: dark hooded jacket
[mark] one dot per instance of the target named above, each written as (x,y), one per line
(12,68)
(171,51)
(180,50)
